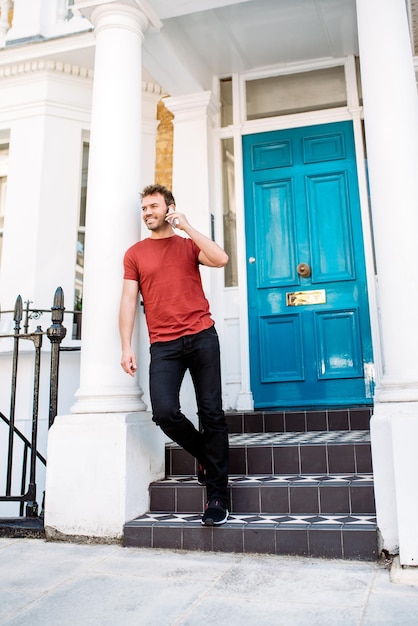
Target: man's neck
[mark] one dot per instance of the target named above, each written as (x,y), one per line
(162,233)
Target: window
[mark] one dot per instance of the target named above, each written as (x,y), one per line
(79,267)
(226,101)
(4,160)
(296,93)
(229,212)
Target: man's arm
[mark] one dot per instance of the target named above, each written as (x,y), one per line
(211,253)
(127,312)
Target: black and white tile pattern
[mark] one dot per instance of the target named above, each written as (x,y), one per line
(274,521)
(340,479)
(292,439)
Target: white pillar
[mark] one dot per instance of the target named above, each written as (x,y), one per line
(101,461)
(193,172)
(391,125)
(193,182)
(150,97)
(113,216)
(193,151)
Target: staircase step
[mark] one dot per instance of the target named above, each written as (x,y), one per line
(318,452)
(324,494)
(326,536)
(294,490)
(350,418)
(22,527)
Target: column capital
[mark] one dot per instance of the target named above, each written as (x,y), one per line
(95,10)
(193,106)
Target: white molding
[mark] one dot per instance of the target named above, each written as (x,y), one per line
(192,106)
(292,68)
(42,65)
(42,108)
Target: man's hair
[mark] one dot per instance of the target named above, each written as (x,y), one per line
(151,190)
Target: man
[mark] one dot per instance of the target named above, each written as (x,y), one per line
(165,269)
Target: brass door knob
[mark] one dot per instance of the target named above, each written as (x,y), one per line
(304,270)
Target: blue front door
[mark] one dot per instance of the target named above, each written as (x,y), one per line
(310,341)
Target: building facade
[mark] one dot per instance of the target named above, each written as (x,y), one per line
(294,144)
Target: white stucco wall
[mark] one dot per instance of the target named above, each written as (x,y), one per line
(46,112)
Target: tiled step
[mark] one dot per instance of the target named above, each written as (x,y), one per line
(324,494)
(318,452)
(301,492)
(352,418)
(326,536)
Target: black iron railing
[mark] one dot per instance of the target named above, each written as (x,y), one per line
(29,454)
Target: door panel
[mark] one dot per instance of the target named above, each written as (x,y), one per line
(283,331)
(309,327)
(277,264)
(338,343)
(330,228)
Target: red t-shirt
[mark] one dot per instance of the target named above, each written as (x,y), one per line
(167,271)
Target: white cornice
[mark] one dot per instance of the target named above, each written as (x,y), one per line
(41,65)
(152,88)
(51,65)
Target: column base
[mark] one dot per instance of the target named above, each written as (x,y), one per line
(394,433)
(403,575)
(112,400)
(98,473)
(396,390)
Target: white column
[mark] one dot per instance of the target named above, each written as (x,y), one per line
(391,124)
(151,94)
(101,461)
(193,182)
(192,167)
(113,216)
(193,172)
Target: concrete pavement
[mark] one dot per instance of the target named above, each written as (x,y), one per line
(62,584)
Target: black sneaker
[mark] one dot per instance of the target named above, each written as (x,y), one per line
(201,474)
(215,513)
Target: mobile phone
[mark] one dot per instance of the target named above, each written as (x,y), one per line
(174,223)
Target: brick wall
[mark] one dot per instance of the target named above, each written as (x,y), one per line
(164,147)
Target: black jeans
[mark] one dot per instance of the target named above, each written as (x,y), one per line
(199,354)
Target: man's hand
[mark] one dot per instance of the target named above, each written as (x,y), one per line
(126,324)
(128,362)
(175,218)
(210,253)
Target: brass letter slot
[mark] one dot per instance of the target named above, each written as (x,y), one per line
(299,298)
